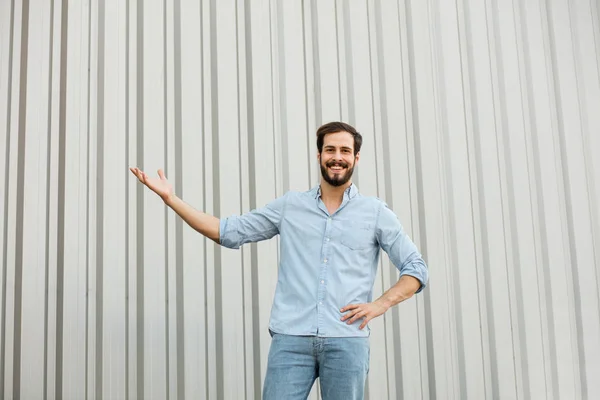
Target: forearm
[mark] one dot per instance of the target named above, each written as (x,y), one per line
(206,224)
(404,289)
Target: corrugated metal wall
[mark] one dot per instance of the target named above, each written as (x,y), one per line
(482,131)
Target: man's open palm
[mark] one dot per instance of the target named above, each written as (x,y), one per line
(160,185)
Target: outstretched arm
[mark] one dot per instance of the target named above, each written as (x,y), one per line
(206,224)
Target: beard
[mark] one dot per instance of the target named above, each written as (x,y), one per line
(340,178)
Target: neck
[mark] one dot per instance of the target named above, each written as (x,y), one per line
(333,193)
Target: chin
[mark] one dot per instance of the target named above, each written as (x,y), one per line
(337,179)
(340,181)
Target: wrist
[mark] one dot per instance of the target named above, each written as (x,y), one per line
(169,199)
(385,303)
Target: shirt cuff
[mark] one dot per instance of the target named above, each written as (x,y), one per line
(416,271)
(228,236)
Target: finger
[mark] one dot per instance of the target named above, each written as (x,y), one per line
(365,322)
(138,174)
(349,307)
(161,174)
(349,314)
(356,317)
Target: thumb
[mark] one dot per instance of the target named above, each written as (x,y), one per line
(161,174)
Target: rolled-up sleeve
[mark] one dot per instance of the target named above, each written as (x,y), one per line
(400,248)
(260,224)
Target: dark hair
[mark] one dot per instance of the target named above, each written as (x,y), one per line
(333,127)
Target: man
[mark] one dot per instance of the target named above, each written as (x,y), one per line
(330,241)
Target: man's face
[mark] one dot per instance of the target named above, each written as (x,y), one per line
(337,159)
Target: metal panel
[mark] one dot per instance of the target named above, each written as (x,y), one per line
(480,130)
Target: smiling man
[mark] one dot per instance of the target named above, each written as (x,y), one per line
(330,241)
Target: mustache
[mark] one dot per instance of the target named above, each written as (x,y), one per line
(334,163)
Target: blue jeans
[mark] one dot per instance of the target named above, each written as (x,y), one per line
(295,362)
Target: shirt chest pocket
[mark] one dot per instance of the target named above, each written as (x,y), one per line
(356,235)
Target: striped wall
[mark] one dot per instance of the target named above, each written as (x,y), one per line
(481,129)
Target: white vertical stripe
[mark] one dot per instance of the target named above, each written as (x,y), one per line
(34,210)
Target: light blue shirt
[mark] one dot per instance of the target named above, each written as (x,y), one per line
(327,261)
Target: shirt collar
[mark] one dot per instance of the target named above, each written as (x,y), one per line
(351,191)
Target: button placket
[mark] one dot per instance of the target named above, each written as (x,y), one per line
(323,274)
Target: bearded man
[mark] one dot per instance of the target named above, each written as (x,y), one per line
(330,241)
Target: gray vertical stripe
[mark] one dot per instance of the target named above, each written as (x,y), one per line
(61,200)
(89,183)
(127,268)
(20,198)
(139,285)
(272,94)
(48,189)
(204,201)
(218,284)
(6,178)
(281,71)
(338,60)
(349,66)
(316,67)
(376,178)
(309,157)
(242,130)
(180,311)
(349,57)
(165,215)
(256,328)
(100,202)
